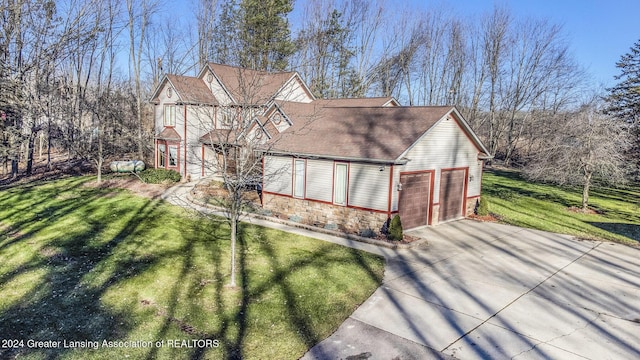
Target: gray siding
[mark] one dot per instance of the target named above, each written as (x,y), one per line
(446,146)
(368,186)
(278,176)
(320,180)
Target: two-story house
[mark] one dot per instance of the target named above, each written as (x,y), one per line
(342,163)
(190,108)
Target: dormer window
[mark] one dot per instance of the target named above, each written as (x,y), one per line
(169,115)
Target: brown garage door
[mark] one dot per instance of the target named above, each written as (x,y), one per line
(414,199)
(451,194)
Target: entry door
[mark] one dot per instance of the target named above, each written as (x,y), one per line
(414,199)
(452,184)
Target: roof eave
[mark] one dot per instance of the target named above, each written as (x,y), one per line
(156,93)
(400,161)
(471,133)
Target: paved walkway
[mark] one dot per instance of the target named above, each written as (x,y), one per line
(490,291)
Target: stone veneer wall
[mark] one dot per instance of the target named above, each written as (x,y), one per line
(325,215)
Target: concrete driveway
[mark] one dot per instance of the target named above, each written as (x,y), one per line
(490,291)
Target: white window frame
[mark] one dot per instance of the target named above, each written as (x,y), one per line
(299,178)
(172,156)
(162,155)
(340,184)
(170,115)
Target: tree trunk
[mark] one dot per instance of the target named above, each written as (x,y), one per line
(14,168)
(100,159)
(234,226)
(30,151)
(585,189)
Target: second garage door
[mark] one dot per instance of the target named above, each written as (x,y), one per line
(452,194)
(414,199)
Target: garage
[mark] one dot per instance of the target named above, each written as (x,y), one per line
(452,189)
(414,199)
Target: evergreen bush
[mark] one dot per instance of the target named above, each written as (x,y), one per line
(483,207)
(395,229)
(158,176)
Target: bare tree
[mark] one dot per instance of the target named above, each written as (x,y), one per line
(139,15)
(205,16)
(586,146)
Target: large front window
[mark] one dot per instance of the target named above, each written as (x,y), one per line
(167,155)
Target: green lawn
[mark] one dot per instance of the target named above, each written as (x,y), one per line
(548,207)
(85,264)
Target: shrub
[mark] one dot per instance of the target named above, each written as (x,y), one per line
(395,229)
(368,233)
(482,208)
(157,176)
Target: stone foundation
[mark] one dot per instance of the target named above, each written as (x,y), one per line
(334,217)
(471,205)
(329,216)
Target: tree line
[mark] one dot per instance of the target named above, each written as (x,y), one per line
(76,74)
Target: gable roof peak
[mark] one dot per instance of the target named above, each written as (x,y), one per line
(248,86)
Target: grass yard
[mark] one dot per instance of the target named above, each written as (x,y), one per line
(81,265)
(513,200)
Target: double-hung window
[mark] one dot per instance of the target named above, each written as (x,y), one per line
(340,183)
(162,155)
(169,115)
(173,155)
(298,178)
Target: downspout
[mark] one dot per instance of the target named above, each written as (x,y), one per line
(185,142)
(390,197)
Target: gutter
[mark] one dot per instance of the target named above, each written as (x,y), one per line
(401,161)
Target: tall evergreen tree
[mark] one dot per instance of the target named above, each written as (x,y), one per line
(225,46)
(624,100)
(265,35)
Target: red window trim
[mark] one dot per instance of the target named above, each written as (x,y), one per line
(167,144)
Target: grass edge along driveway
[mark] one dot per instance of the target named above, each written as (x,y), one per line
(80,266)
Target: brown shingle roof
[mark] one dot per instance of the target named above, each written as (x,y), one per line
(168,133)
(374,133)
(220,136)
(248,86)
(355,102)
(192,90)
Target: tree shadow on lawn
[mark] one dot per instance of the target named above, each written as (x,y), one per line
(62,306)
(89,263)
(264,275)
(631,231)
(511,191)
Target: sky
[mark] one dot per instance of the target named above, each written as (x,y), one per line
(599,32)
